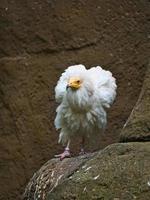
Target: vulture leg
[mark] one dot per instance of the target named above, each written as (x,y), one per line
(66,153)
(82,152)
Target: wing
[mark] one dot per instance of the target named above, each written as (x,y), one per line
(60,88)
(105,85)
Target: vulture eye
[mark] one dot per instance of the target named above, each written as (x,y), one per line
(78,81)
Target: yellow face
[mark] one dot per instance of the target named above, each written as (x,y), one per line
(74,83)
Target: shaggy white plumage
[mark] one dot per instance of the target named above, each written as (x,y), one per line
(83,96)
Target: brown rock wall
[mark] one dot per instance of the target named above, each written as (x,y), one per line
(38,40)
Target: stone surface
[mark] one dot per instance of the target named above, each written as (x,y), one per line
(137,127)
(51,174)
(120,172)
(38,40)
(53,26)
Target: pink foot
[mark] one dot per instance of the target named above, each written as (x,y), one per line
(82,152)
(65,154)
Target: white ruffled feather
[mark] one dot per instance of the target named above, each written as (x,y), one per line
(82,112)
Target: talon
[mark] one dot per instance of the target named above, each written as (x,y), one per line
(82,152)
(65,154)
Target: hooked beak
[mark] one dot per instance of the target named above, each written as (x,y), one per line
(74,83)
(67,87)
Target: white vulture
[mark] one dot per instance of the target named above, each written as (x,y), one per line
(83,95)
